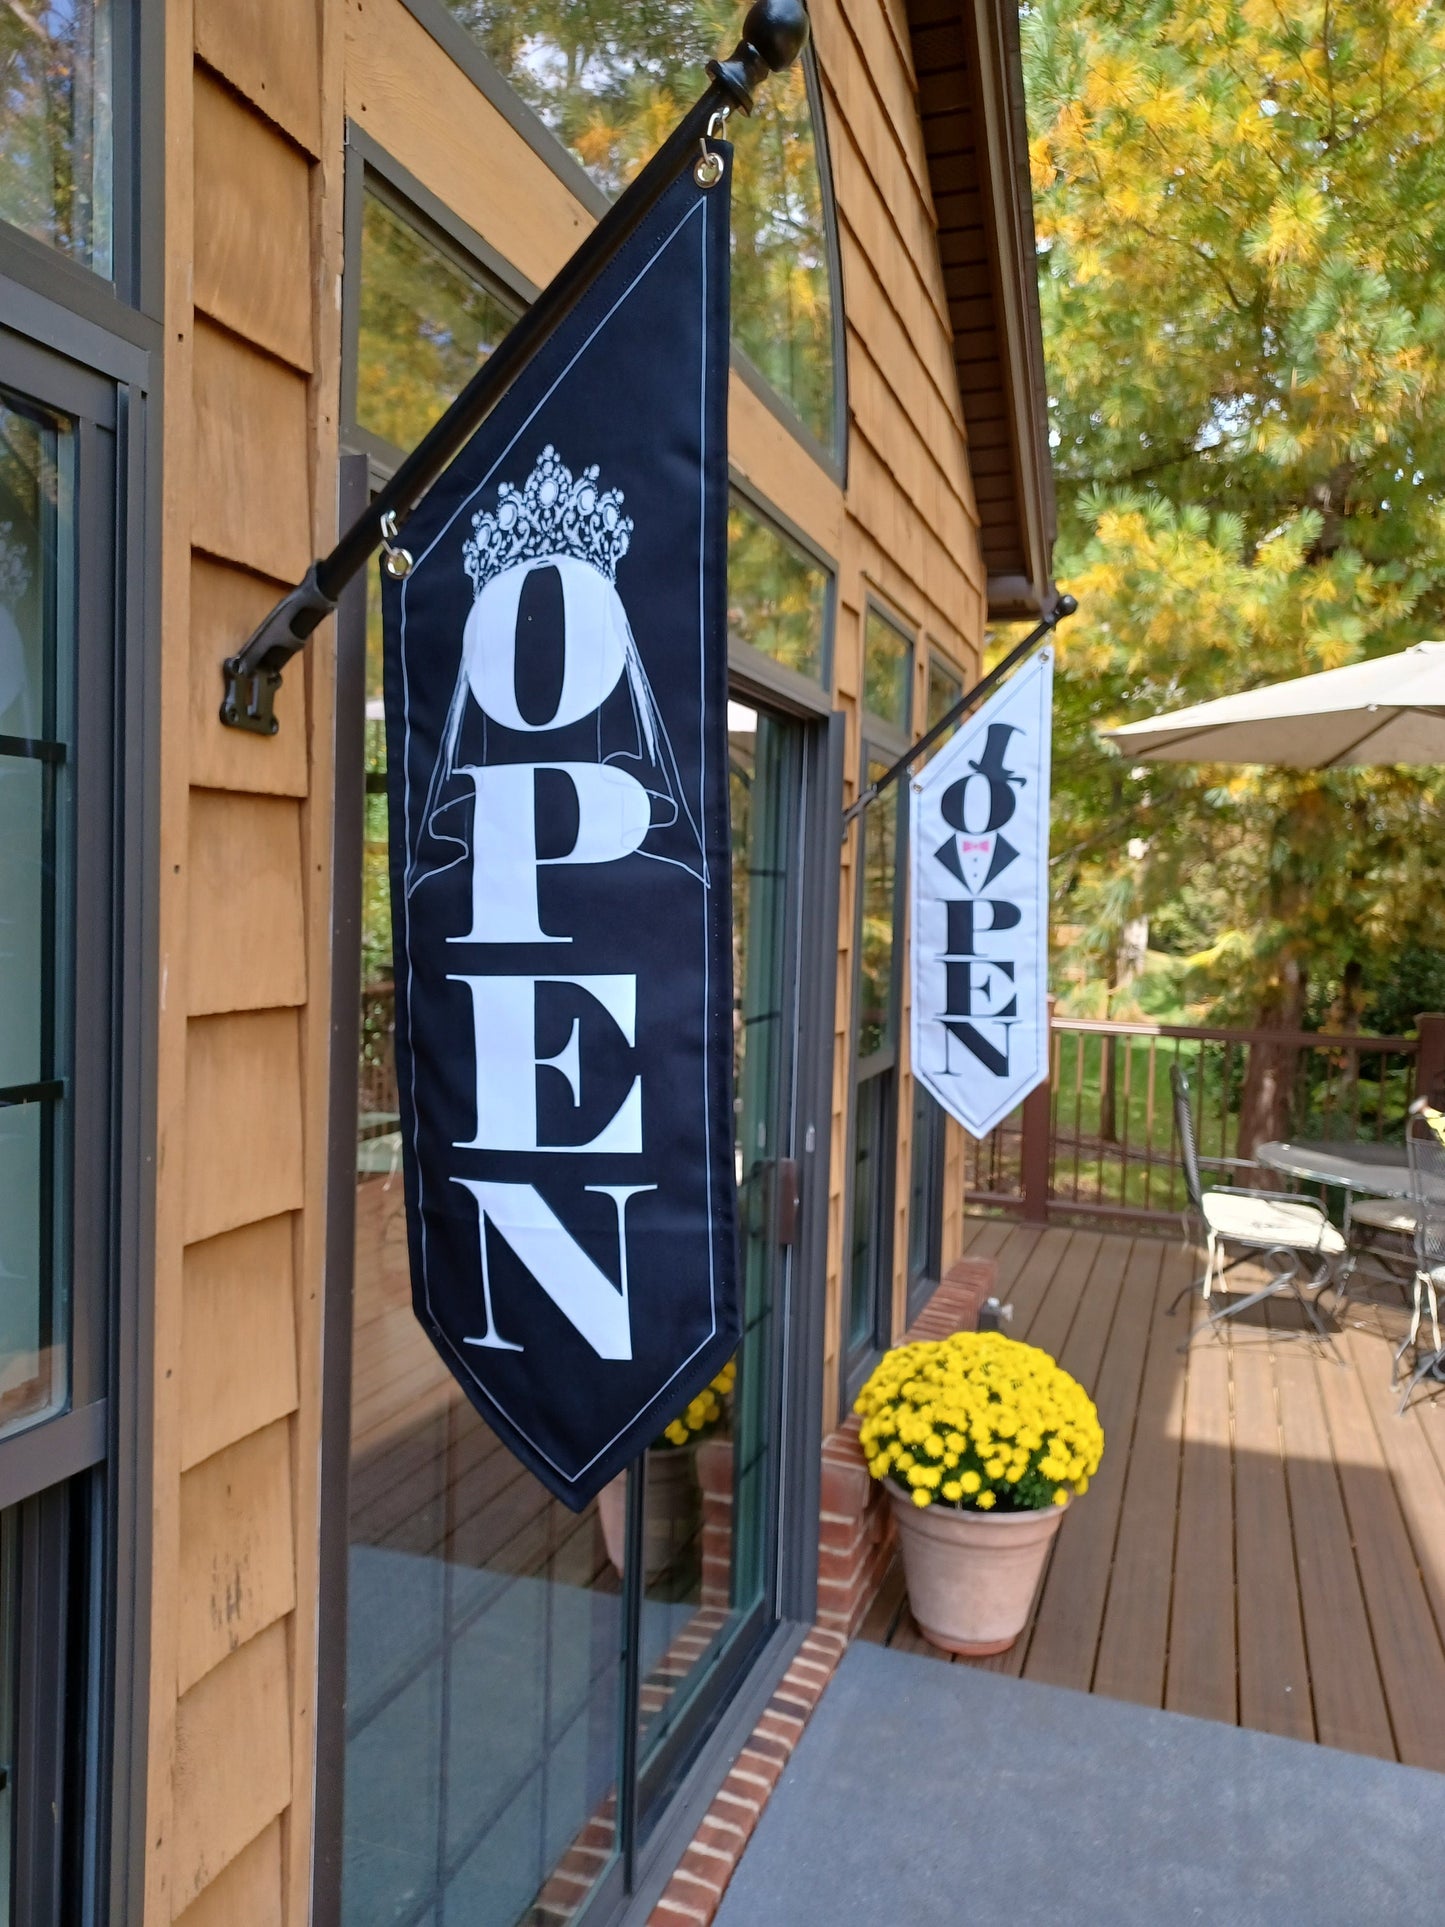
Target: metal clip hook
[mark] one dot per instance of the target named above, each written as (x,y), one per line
(708,169)
(395,560)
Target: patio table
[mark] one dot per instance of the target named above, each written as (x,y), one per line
(1376,1170)
(1358,1169)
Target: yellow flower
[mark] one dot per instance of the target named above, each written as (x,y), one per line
(1061,1495)
(994,1468)
(922,1497)
(970,1483)
(953,1491)
(986,1502)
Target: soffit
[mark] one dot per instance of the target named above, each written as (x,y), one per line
(969,71)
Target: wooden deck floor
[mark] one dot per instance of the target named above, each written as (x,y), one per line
(1265,1541)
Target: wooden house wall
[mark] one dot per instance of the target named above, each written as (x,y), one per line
(257,99)
(252,246)
(910,518)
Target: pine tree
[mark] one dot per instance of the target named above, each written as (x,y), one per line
(1241,215)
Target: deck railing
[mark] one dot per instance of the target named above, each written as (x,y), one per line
(1099,1138)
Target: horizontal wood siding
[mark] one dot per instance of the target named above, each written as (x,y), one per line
(254,141)
(912,518)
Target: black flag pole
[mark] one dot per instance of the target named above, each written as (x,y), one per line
(985,686)
(774,34)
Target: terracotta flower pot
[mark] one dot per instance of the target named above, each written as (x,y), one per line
(670,1515)
(972,1576)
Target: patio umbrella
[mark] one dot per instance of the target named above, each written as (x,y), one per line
(1388,710)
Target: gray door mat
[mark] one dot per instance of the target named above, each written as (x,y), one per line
(923,1795)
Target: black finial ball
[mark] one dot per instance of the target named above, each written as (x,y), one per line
(779,31)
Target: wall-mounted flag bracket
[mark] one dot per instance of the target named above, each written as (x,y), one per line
(971,698)
(774,34)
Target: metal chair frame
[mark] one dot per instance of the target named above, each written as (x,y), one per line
(1287,1258)
(1427,1186)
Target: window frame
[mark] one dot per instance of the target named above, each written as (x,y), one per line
(371,169)
(464,52)
(135,285)
(935,658)
(885,740)
(787,686)
(78,1477)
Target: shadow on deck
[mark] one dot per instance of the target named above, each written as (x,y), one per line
(1264,1543)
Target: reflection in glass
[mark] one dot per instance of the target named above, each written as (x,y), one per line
(9,1606)
(611,79)
(871,1139)
(925,1189)
(709,1479)
(944,690)
(55,125)
(484,1637)
(777,594)
(426,325)
(876,999)
(37,648)
(887,670)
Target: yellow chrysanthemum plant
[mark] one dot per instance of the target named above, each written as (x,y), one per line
(979,1422)
(704,1414)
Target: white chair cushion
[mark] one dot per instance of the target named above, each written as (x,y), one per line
(1267,1220)
(1384,1214)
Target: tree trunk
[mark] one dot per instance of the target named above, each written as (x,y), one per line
(1264,1109)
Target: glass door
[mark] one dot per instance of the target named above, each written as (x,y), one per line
(502,1757)
(711,1481)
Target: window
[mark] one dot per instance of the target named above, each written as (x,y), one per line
(610,80)
(877,999)
(58,647)
(887,670)
(37,648)
(426,324)
(944,689)
(56,150)
(777,594)
(925,1197)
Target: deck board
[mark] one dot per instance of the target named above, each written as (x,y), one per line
(1274,1685)
(1134,1642)
(1201,1677)
(1066,1630)
(1265,1541)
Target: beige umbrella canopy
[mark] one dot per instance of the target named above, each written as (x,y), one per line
(1389,710)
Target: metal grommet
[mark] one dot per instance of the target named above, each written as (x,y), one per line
(396,561)
(708,169)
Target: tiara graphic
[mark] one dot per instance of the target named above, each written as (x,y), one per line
(555,514)
(14,574)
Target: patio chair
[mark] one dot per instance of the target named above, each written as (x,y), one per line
(1271,1226)
(1380,1234)
(1427,1185)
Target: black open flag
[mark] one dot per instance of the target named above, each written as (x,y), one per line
(556,698)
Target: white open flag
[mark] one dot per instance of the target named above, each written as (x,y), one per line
(979,843)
